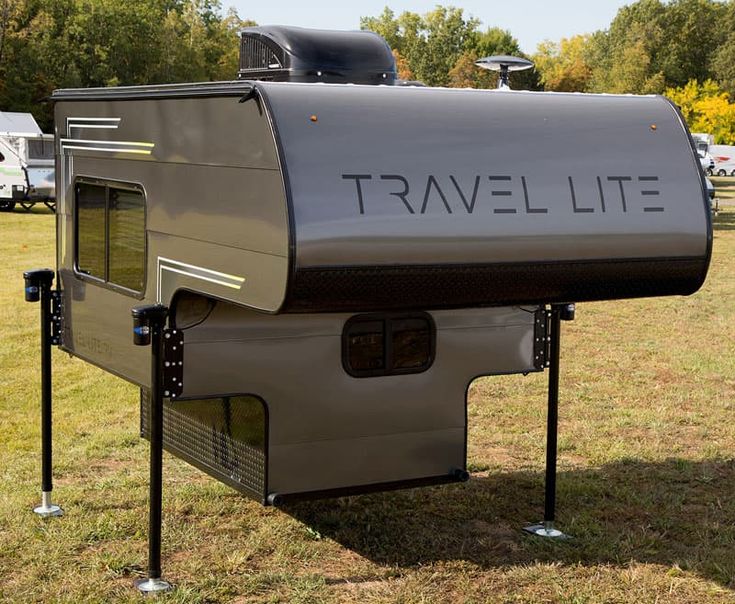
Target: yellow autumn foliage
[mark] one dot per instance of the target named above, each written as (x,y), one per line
(706,108)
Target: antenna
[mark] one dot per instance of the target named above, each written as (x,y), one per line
(504,64)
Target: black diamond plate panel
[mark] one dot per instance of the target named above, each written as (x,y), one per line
(224,437)
(369,288)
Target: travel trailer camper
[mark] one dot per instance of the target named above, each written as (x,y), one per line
(724,158)
(317,271)
(26,163)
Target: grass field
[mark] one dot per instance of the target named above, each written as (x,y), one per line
(646,484)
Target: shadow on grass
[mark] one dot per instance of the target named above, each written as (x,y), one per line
(671,513)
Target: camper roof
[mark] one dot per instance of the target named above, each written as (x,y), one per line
(18,124)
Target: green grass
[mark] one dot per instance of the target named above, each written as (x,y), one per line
(646,483)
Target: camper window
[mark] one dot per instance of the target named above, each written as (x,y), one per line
(110,227)
(377,345)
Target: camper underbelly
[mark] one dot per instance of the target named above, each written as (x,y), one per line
(320,428)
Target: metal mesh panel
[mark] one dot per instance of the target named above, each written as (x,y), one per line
(224,437)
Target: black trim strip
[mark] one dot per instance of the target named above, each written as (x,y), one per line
(163,91)
(702,181)
(407,287)
(286,498)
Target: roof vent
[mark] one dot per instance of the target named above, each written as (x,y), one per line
(295,54)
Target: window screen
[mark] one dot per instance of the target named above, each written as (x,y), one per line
(110,223)
(377,345)
(40,149)
(127,238)
(91,203)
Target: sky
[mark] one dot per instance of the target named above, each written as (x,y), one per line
(530,21)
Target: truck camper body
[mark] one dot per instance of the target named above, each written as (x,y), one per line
(344,260)
(304,269)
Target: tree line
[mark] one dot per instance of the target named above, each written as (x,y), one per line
(49,44)
(682,48)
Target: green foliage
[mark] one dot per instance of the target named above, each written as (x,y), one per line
(706,108)
(48,44)
(651,45)
(431,43)
(441,47)
(564,66)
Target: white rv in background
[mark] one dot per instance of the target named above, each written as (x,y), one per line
(26,163)
(703,142)
(724,157)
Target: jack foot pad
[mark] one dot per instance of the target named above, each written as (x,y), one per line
(48,509)
(545,530)
(151,587)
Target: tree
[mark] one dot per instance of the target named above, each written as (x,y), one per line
(706,108)
(431,44)
(564,66)
(47,44)
(403,69)
(441,47)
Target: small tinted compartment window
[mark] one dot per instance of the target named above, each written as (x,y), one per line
(379,345)
(366,346)
(412,340)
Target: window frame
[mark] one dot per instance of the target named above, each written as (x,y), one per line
(84,276)
(387,319)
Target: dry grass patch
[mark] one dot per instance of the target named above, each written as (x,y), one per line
(646,483)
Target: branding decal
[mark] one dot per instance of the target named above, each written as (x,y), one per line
(501,194)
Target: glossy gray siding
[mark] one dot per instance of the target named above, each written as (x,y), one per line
(406,197)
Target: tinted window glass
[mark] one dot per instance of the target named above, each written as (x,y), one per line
(110,223)
(91,228)
(126,216)
(366,346)
(411,343)
(375,345)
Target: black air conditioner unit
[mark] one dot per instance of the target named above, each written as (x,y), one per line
(296,54)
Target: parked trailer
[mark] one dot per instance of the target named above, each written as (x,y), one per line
(724,158)
(322,269)
(26,163)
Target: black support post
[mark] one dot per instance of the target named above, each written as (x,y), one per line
(558,313)
(38,288)
(148,327)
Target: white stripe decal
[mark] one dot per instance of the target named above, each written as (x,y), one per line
(195,272)
(97,142)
